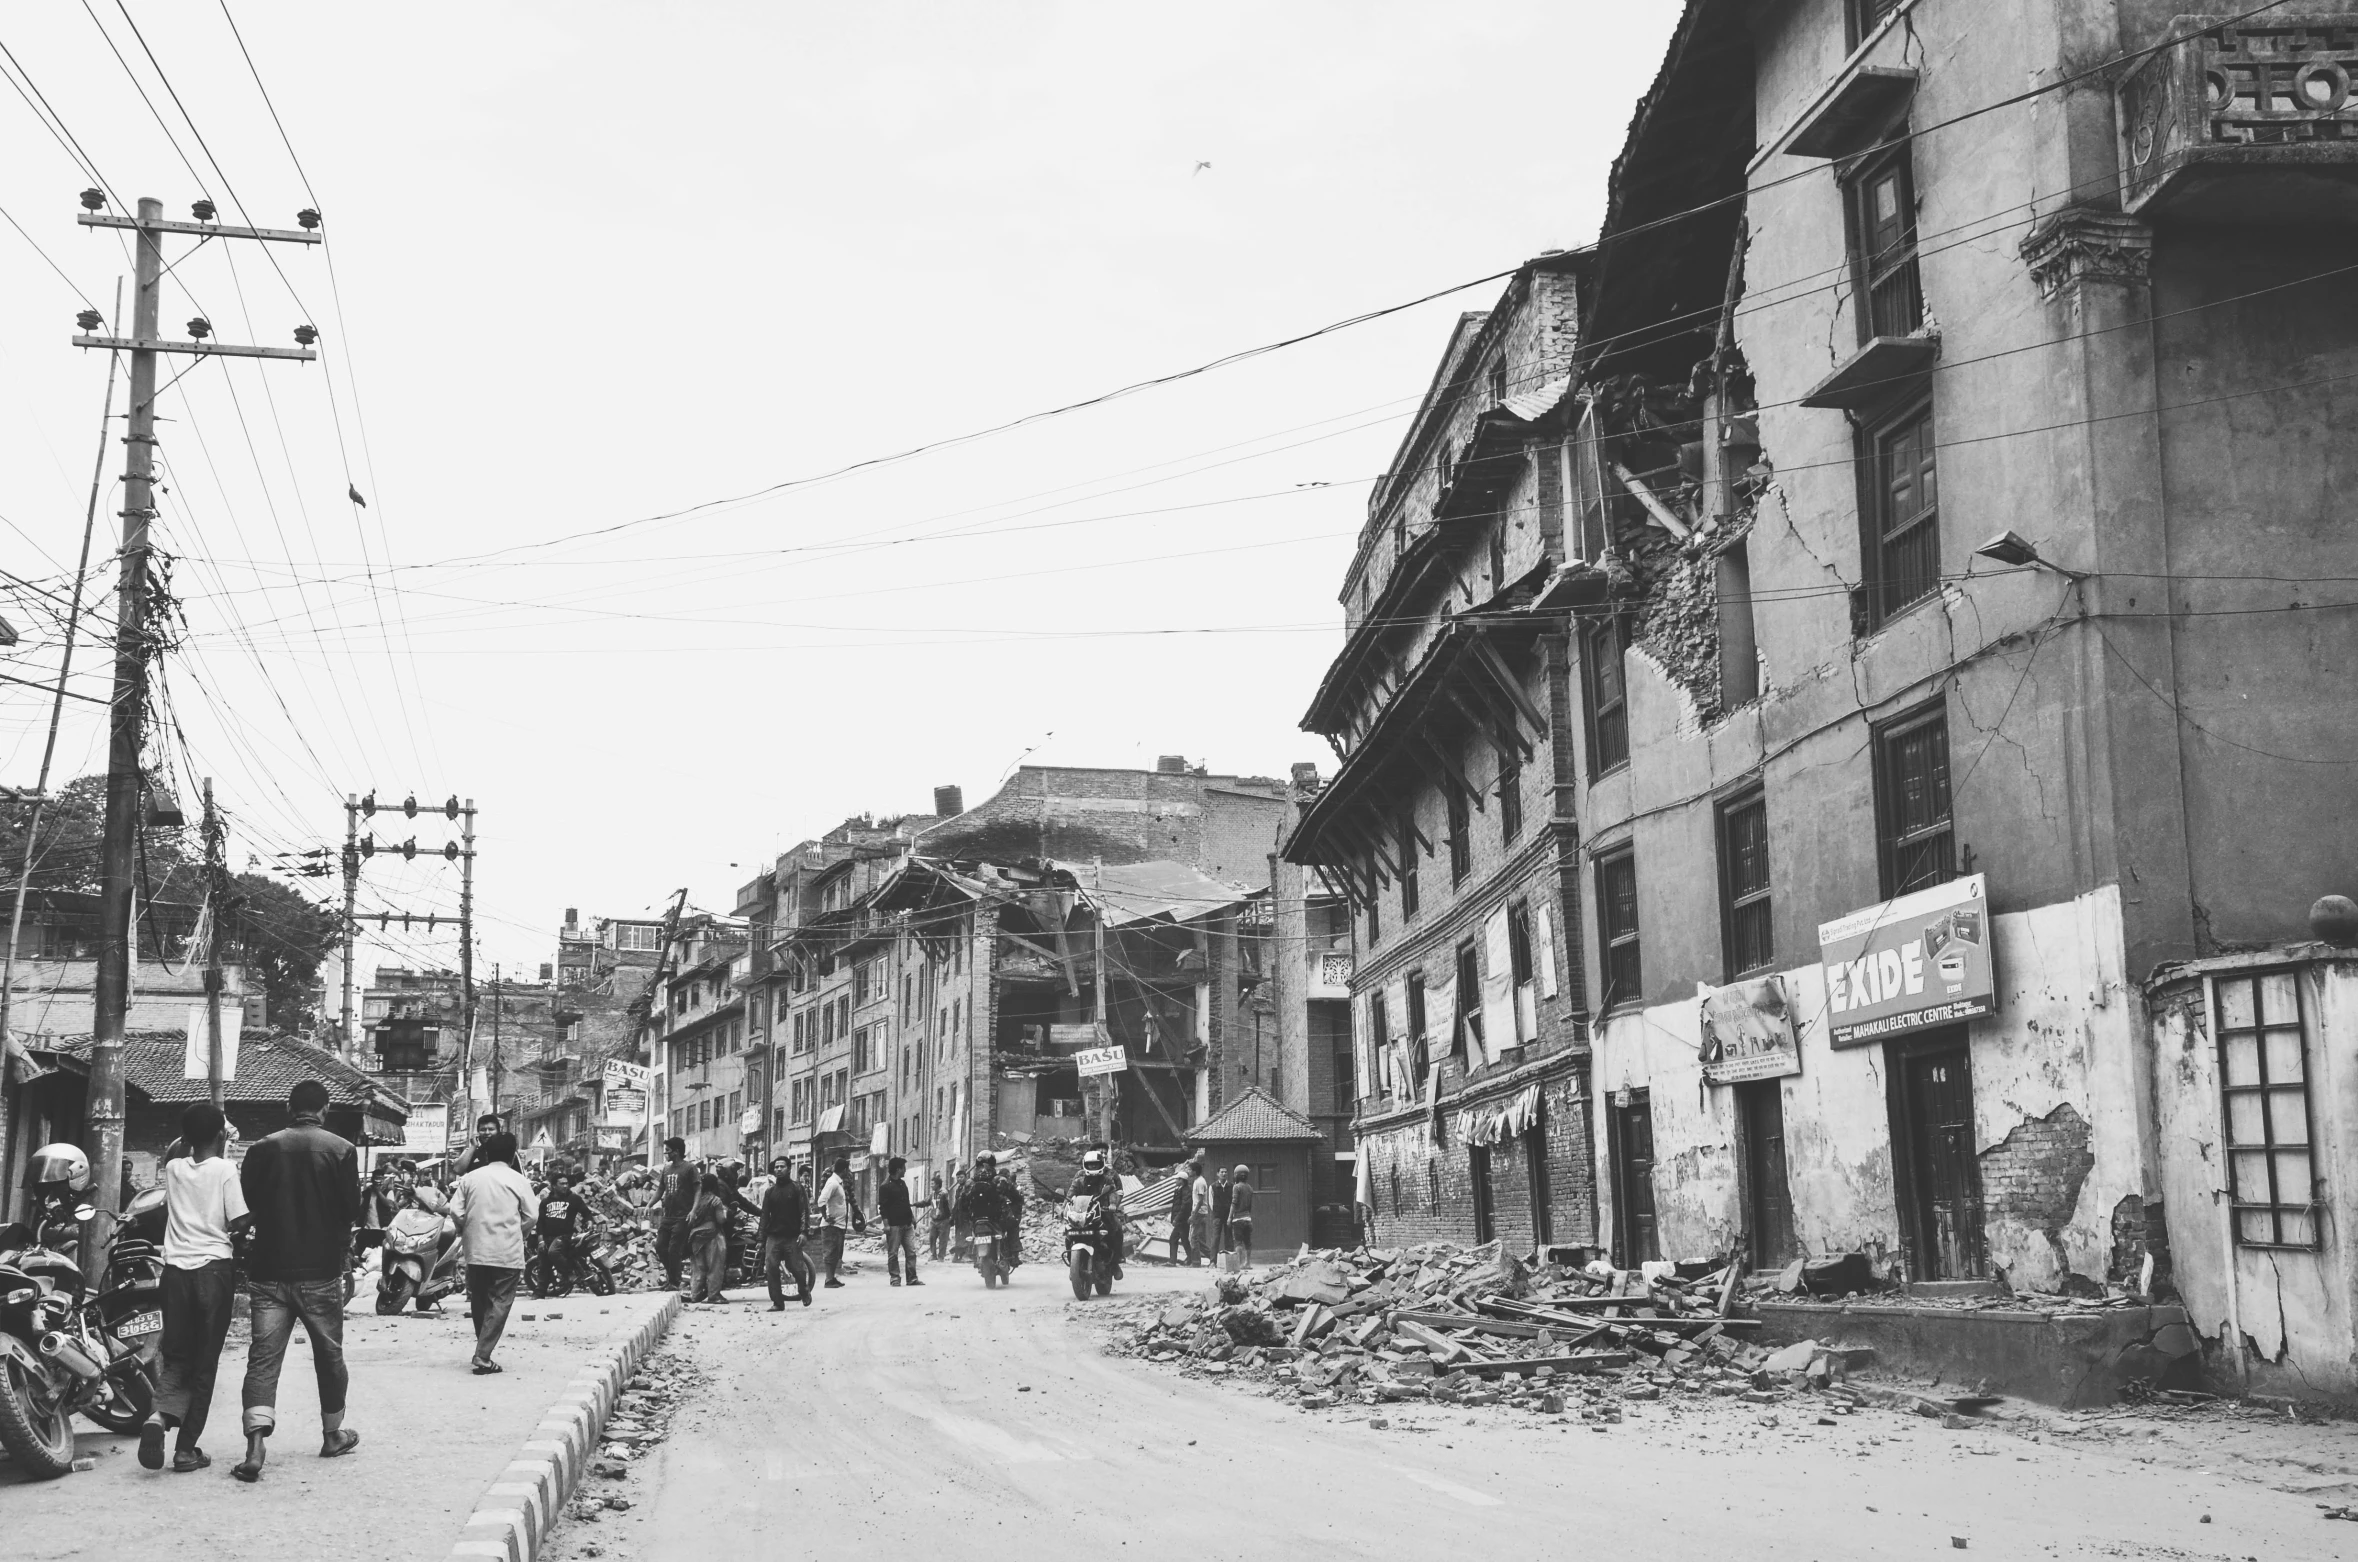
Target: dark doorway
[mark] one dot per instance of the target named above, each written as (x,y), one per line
(1938,1178)
(1485,1216)
(1633,1180)
(1768,1197)
(1543,1225)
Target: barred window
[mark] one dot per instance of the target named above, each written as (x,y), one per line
(2264,1079)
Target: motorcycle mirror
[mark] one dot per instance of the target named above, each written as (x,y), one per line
(85,1212)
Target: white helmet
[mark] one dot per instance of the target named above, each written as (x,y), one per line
(57,1168)
(1093,1161)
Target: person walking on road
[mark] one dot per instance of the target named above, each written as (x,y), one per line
(1199,1228)
(944,1201)
(204,1210)
(785,1216)
(303,1186)
(1221,1193)
(708,1240)
(676,1186)
(836,1207)
(900,1221)
(492,1205)
(1240,1217)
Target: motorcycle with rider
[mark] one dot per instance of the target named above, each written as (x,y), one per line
(991,1215)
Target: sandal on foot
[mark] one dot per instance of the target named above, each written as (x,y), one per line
(190,1459)
(484,1369)
(249,1473)
(342,1443)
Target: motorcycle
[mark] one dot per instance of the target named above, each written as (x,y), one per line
(993,1257)
(54,1362)
(127,1315)
(1092,1245)
(421,1263)
(556,1267)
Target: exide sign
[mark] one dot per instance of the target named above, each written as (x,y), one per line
(1909,964)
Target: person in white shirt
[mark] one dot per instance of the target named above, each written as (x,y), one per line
(837,1207)
(492,1205)
(204,1210)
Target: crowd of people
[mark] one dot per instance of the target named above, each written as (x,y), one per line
(295,1215)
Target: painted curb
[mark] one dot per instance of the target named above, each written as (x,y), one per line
(517,1510)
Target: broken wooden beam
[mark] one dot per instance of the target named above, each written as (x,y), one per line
(1579,1361)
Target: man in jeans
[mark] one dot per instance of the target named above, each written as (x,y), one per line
(303,1186)
(900,1221)
(785,1214)
(676,1186)
(837,1207)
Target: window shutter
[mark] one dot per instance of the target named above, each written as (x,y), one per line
(1546,950)
(1498,985)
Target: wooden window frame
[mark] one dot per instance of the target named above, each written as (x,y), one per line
(1460,814)
(1891,842)
(1891,273)
(1411,895)
(2266,1088)
(1886,590)
(1510,798)
(1736,900)
(1616,945)
(1607,720)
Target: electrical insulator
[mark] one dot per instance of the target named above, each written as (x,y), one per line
(307,219)
(368,806)
(305,335)
(451,808)
(89,320)
(92,200)
(200,328)
(368,846)
(204,211)
(450,851)
(409,849)
(409,805)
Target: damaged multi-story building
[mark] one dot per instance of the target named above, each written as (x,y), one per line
(1956,714)
(1451,817)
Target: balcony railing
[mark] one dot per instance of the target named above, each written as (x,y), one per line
(2271,96)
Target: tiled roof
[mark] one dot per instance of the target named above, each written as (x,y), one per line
(267,1068)
(1256,1114)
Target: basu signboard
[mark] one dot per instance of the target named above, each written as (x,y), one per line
(1909,964)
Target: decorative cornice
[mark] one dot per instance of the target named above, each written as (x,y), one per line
(2080,244)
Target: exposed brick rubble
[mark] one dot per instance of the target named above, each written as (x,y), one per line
(1475,1327)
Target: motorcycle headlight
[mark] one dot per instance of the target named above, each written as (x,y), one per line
(18,1298)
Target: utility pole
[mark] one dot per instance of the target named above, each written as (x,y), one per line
(1104,1036)
(638,1041)
(348,1042)
(216,885)
(125,783)
(495,1059)
(467,951)
(40,799)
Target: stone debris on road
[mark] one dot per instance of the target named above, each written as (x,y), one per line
(641,1421)
(1476,1327)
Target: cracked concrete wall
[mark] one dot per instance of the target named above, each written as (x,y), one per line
(2057,1091)
(2276,1320)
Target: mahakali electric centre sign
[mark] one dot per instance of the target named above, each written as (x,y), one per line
(1909,964)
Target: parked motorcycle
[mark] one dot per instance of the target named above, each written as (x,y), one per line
(54,1361)
(555,1268)
(421,1263)
(127,1315)
(1092,1244)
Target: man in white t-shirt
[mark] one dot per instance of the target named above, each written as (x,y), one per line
(204,1210)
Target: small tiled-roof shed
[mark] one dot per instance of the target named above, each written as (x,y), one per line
(1255,1129)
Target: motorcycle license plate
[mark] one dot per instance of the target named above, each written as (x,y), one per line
(600,1256)
(140,1325)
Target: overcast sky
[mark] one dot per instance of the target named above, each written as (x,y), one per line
(595,264)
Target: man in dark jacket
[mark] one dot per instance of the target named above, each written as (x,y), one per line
(900,1221)
(303,1186)
(785,1217)
(675,1198)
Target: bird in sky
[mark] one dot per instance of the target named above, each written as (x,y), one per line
(353,491)
(1199,168)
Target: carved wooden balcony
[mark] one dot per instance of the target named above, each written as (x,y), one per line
(2253,122)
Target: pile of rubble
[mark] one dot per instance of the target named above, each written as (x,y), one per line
(1477,1326)
(641,1420)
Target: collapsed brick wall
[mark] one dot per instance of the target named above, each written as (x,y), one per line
(2033,1176)
(1423,1194)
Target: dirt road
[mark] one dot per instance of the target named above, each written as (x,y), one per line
(950,1422)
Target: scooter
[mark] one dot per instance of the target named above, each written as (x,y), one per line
(421,1263)
(1092,1245)
(127,1315)
(555,1268)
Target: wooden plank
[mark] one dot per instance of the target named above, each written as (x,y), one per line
(1450,767)
(1439,1344)
(1500,674)
(1579,1361)
(1519,1331)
